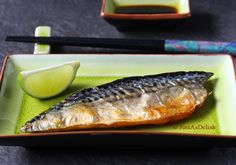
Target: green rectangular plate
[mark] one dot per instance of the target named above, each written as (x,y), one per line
(215,118)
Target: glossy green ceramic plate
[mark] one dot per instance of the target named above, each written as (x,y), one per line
(215,118)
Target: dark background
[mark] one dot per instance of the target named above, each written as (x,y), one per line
(211,20)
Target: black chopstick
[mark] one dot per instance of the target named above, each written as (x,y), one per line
(117,43)
(157,46)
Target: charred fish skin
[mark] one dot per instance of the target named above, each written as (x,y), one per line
(152,99)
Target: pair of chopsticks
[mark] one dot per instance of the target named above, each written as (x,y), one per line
(168,46)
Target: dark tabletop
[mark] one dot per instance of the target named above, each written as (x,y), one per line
(211,20)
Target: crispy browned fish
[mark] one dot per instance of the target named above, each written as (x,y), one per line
(153,99)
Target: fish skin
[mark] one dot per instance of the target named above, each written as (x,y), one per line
(152,99)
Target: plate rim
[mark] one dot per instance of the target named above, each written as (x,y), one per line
(112,132)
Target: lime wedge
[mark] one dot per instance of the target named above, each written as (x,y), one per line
(49,81)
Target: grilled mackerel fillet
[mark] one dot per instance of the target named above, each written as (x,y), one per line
(152,99)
